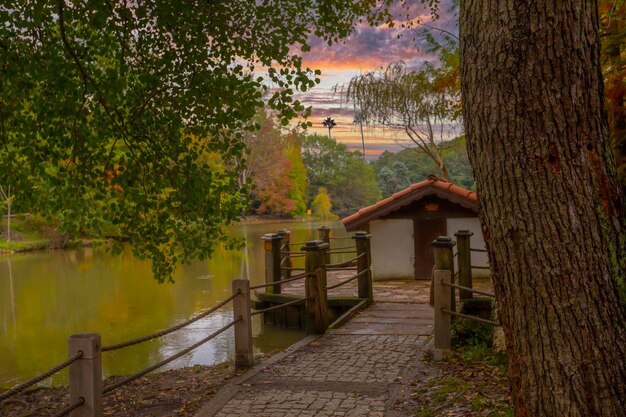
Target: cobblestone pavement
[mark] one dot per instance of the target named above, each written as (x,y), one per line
(352,371)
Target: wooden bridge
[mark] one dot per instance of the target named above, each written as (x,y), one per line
(360,368)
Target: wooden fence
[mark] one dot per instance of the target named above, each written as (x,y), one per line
(85,350)
(443,289)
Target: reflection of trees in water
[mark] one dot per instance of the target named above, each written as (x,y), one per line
(217,350)
(244,267)
(11,299)
(62,292)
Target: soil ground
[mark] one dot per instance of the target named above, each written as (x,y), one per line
(178,392)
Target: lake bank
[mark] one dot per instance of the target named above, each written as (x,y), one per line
(35,236)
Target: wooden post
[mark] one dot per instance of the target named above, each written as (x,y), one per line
(444,260)
(442,320)
(324,235)
(316,303)
(271,244)
(364,262)
(285,258)
(464,259)
(86,374)
(244,357)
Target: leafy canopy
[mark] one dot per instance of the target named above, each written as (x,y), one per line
(350,181)
(109,109)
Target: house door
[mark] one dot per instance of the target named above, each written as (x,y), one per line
(426,231)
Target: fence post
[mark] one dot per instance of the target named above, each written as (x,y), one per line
(442,320)
(86,374)
(285,257)
(271,244)
(444,260)
(464,259)
(324,235)
(364,262)
(316,294)
(244,357)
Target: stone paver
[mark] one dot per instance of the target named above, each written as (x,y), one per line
(352,371)
(283,403)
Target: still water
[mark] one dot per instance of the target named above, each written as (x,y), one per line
(47,296)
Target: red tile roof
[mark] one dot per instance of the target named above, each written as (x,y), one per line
(431,185)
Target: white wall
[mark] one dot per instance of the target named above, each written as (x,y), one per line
(392,248)
(477,241)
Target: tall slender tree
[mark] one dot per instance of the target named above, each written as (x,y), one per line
(359,120)
(329,124)
(551,207)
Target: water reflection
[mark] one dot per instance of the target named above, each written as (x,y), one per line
(47,296)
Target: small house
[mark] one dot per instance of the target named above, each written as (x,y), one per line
(404,225)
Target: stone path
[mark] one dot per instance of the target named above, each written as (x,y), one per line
(356,370)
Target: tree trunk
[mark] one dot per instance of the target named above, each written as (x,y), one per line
(550,206)
(443,170)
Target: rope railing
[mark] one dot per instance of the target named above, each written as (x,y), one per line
(276,307)
(170,329)
(460,287)
(292,254)
(472,318)
(341,238)
(37,379)
(283,281)
(345,268)
(481,267)
(352,278)
(130,378)
(289,268)
(337,252)
(353,248)
(297,243)
(65,411)
(346,263)
(478,250)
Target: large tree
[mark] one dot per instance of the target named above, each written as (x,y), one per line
(551,208)
(109,108)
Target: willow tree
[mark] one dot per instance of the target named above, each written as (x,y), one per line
(421,103)
(108,108)
(551,208)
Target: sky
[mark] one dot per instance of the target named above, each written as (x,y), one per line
(368,48)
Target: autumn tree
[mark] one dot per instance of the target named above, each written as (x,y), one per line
(266,167)
(423,104)
(297,173)
(322,205)
(551,207)
(107,108)
(349,180)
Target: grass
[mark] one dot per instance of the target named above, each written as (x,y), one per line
(36,233)
(24,245)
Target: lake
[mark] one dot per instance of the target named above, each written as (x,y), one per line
(47,296)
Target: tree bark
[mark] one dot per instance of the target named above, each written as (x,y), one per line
(550,206)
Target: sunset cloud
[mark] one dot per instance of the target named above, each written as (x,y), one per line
(369,48)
